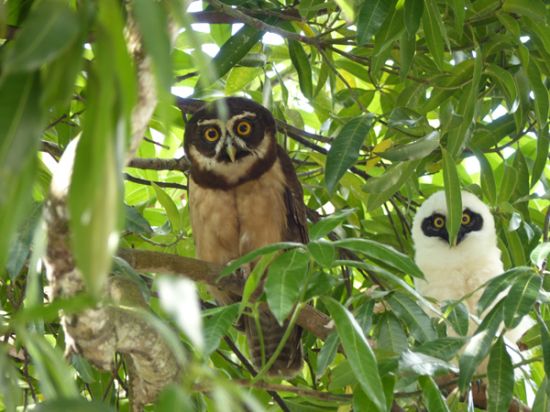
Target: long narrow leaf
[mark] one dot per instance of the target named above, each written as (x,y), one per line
(453,197)
(501,378)
(344,150)
(358,351)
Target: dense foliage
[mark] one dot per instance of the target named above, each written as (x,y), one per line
(380,103)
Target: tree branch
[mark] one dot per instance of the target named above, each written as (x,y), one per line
(260,25)
(145,182)
(309,318)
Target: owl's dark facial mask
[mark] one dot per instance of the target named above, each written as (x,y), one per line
(435,225)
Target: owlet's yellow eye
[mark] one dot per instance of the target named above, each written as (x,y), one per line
(211,134)
(466,219)
(439,222)
(244,128)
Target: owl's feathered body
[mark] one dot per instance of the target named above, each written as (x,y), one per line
(244,194)
(453,272)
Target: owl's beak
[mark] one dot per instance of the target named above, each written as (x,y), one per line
(231,152)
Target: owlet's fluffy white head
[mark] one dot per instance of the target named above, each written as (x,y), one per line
(477,239)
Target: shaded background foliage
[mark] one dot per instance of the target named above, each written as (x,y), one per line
(379,103)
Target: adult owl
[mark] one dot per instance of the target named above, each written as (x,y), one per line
(244,194)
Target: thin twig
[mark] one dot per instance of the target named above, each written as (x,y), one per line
(310,393)
(156,143)
(246,363)
(134,179)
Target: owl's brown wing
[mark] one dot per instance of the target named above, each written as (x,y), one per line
(294,200)
(290,360)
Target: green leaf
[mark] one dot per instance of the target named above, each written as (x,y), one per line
(431,22)
(543,144)
(95,195)
(542,398)
(327,353)
(433,399)
(62,73)
(541,95)
(216,324)
(391,337)
(508,183)
(413,15)
(407,49)
(239,77)
(453,196)
(370,18)
(521,298)
(532,8)
(545,343)
(501,378)
(329,223)
(232,51)
(135,222)
(458,317)
(459,12)
(153,26)
(498,284)
(21,244)
(478,346)
(49,30)
(249,257)
(442,348)
(393,179)
(170,208)
(322,252)
(507,84)
(285,282)
(10,392)
(79,404)
(344,149)
(358,352)
(418,149)
(174,398)
(459,136)
(416,363)
(21,124)
(413,316)
(302,65)
(458,77)
(382,253)
(488,185)
(93,199)
(540,254)
(54,374)
(254,278)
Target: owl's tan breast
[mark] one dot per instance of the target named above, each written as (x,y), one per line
(229,223)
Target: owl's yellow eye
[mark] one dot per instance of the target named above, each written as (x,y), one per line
(439,222)
(466,219)
(211,134)
(244,128)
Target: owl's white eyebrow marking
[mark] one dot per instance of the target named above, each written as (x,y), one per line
(231,122)
(216,122)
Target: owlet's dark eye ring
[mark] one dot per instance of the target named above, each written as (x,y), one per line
(466,219)
(244,128)
(211,134)
(439,222)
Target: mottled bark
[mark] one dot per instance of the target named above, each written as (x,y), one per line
(117,323)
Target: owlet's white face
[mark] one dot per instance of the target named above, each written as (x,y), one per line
(476,235)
